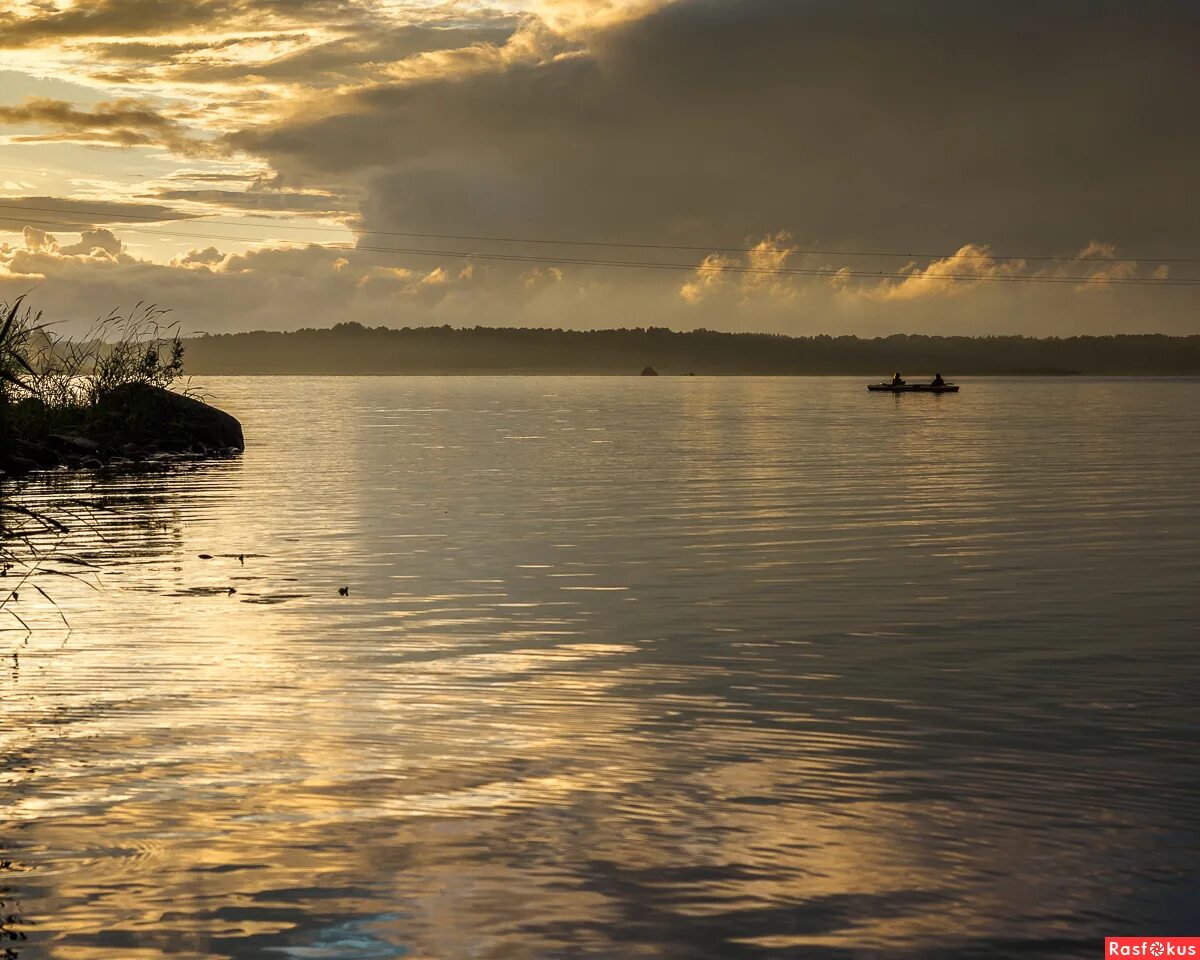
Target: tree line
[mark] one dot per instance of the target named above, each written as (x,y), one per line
(351,348)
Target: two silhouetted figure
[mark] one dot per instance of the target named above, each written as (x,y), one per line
(898,381)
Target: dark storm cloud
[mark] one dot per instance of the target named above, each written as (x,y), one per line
(927,127)
(1033,128)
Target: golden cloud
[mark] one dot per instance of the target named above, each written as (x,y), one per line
(122,123)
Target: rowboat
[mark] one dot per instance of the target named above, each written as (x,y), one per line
(913,388)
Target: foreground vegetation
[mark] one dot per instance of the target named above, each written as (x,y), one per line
(97,401)
(102,398)
(56,387)
(350,348)
(51,384)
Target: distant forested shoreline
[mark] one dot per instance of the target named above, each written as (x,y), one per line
(350,348)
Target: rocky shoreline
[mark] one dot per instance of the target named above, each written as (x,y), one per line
(134,424)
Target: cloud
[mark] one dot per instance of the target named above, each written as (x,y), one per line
(119,123)
(262,200)
(100,243)
(1111,267)
(199,259)
(956,135)
(362,56)
(148,53)
(761,271)
(843,123)
(1097,266)
(947,277)
(709,275)
(291,287)
(44,23)
(95,243)
(36,239)
(62,213)
(224,176)
(578,18)
(765,258)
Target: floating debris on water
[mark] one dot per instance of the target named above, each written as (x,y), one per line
(225,591)
(275,598)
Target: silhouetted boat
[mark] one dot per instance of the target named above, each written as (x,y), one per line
(913,388)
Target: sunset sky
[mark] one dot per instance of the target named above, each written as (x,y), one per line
(273,163)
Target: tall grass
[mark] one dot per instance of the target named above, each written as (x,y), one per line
(16,375)
(48,381)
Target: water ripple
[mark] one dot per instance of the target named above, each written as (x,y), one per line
(698,668)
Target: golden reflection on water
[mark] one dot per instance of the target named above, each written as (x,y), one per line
(775,669)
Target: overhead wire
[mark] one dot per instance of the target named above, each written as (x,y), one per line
(88,216)
(825,272)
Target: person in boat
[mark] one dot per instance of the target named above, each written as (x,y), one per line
(897,380)
(937,381)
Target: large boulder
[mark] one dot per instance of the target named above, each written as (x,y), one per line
(15,465)
(152,417)
(39,453)
(70,444)
(18,457)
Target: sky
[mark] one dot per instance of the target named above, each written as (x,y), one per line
(792,166)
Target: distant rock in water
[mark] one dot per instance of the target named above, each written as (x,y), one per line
(649,372)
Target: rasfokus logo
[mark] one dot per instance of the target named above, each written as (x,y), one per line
(1153,947)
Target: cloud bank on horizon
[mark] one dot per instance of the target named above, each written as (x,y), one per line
(274,163)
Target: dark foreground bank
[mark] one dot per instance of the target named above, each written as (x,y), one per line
(132,423)
(104,398)
(350,348)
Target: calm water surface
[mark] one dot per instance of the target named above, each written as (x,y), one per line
(674,668)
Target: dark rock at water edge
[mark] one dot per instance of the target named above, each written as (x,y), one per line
(43,456)
(142,415)
(66,443)
(131,424)
(16,464)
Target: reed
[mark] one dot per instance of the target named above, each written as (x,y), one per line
(52,383)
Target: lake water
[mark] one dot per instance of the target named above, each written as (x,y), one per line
(670,668)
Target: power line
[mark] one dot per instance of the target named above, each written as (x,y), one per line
(779,271)
(687,267)
(87,217)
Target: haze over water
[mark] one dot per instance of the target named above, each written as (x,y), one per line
(675,667)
